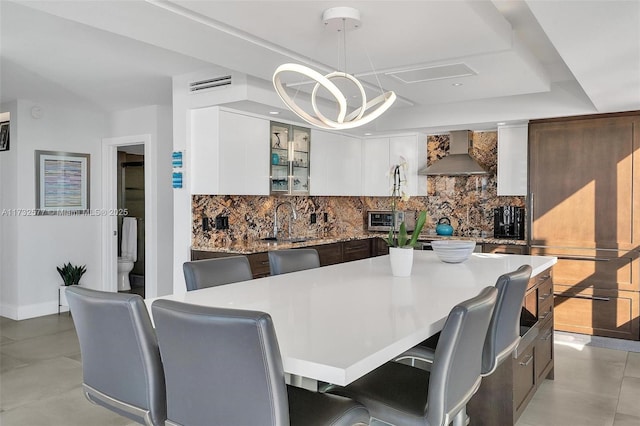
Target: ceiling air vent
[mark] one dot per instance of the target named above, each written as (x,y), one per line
(432,73)
(209,83)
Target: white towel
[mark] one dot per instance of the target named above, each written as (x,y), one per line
(129,244)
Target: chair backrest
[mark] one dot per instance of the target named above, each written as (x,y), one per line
(213,272)
(222,366)
(121,364)
(504,329)
(455,374)
(292,260)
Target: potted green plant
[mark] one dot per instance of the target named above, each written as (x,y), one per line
(70,276)
(399,242)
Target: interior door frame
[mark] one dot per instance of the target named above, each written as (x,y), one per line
(110,204)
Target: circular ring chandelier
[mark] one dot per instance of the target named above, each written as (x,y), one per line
(362,115)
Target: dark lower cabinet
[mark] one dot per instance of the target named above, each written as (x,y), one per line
(329,254)
(356,250)
(504,248)
(379,247)
(505,394)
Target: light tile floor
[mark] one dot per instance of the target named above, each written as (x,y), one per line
(41,373)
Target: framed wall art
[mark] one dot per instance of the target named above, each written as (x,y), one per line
(62,182)
(4,136)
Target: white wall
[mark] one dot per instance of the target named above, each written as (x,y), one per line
(8,224)
(32,246)
(157,122)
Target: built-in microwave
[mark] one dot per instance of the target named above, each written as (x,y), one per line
(383,220)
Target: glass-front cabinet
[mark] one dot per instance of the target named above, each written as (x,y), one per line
(289,159)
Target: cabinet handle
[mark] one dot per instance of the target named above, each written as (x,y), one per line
(545,296)
(594,258)
(547,335)
(544,278)
(580,296)
(546,314)
(527,362)
(264,262)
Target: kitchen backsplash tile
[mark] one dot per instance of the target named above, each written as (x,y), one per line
(468,201)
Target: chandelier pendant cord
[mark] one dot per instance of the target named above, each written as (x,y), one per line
(375,73)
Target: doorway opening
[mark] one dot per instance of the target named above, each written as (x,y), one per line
(141,198)
(131,196)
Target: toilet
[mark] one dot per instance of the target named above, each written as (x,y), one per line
(129,252)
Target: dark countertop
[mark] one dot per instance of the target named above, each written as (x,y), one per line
(258,246)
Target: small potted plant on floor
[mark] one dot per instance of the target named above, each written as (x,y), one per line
(70,276)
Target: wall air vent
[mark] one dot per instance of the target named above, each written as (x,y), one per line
(209,83)
(432,73)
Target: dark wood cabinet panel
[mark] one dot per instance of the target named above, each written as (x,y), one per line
(607,313)
(259,264)
(329,254)
(524,379)
(581,175)
(504,248)
(356,250)
(379,247)
(544,351)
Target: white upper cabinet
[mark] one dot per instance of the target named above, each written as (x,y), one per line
(512,159)
(229,153)
(379,154)
(335,164)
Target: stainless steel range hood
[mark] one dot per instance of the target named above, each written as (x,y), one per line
(458,162)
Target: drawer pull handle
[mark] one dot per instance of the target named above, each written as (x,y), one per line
(264,262)
(527,362)
(595,259)
(545,296)
(580,296)
(546,314)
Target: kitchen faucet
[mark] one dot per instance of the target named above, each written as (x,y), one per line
(275,217)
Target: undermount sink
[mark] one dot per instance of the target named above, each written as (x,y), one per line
(287,240)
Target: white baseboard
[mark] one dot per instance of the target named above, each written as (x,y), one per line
(30,311)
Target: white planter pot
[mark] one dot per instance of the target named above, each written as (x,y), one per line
(401,261)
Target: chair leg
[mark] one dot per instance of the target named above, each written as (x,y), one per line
(461,418)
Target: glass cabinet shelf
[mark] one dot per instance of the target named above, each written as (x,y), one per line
(289,159)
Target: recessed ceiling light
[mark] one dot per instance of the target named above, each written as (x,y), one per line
(502,123)
(457,84)
(274,112)
(368,134)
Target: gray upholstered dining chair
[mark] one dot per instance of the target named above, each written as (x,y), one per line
(213,272)
(121,365)
(292,260)
(503,335)
(402,395)
(223,367)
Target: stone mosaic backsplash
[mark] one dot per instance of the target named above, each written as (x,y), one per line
(468,202)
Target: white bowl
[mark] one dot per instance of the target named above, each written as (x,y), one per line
(453,251)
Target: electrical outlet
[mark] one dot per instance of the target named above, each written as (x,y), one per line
(326,217)
(222,222)
(313,218)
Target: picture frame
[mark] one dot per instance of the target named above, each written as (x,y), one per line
(62,182)
(4,136)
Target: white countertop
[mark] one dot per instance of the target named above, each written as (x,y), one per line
(338,322)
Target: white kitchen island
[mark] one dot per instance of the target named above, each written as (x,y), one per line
(336,323)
